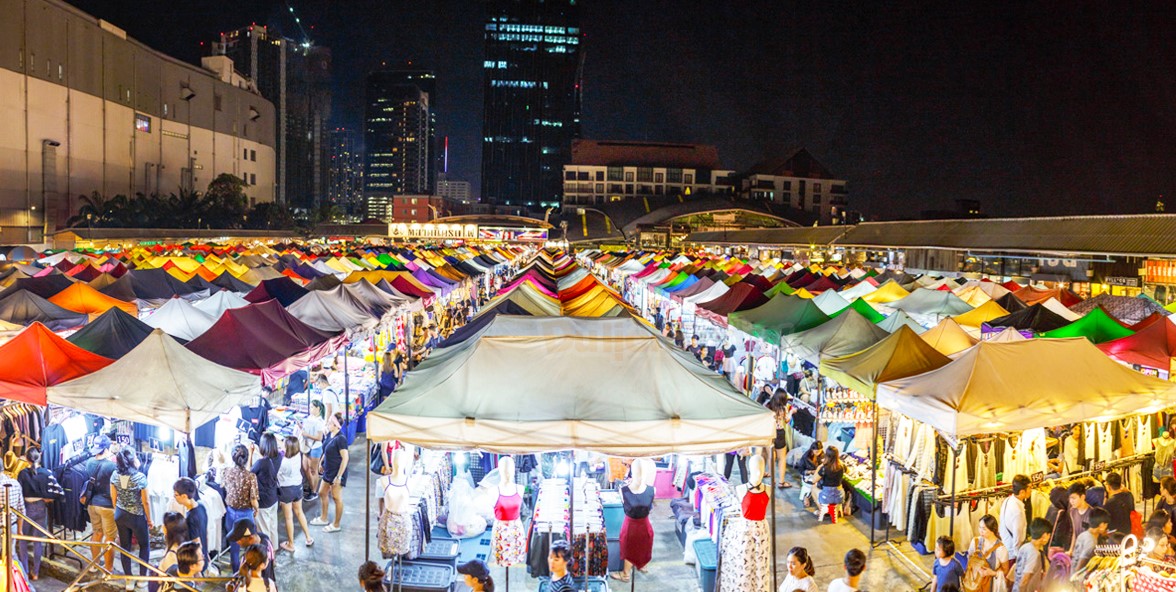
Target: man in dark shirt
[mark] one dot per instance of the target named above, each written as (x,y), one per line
(335,459)
(1120,503)
(197,515)
(100,506)
(245,533)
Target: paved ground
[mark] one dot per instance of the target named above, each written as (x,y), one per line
(335,558)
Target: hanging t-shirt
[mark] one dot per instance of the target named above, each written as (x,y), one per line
(257,415)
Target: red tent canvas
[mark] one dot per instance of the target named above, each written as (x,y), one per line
(1153,346)
(37,359)
(264,339)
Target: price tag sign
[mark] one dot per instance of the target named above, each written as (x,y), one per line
(1100,465)
(156,445)
(124,439)
(1037,477)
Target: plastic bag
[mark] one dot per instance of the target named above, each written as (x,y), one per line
(464,520)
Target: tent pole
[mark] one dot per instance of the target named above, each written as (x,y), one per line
(772,505)
(367,496)
(572,515)
(874,469)
(346,389)
(956,454)
(7,554)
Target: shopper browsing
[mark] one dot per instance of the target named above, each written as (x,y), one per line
(1098,522)
(314,427)
(132,510)
(371,577)
(266,468)
(477,576)
(196,515)
(800,572)
(1012,513)
(557,562)
(99,504)
(947,569)
(1120,504)
(855,564)
(335,458)
(240,496)
(1029,567)
(245,535)
(290,493)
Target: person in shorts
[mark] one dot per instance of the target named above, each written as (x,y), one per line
(335,458)
(100,506)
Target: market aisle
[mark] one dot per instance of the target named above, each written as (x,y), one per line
(336,557)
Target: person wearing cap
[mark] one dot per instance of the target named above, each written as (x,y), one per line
(100,506)
(477,576)
(246,533)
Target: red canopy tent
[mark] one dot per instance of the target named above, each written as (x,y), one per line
(264,339)
(1152,346)
(37,359)
(741,296)
(407,287)
(821,284)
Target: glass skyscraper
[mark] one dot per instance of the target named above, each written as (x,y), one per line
(532,66)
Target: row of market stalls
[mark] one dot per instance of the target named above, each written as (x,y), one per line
(555,328)
(940,390)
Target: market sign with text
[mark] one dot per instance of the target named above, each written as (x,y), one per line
(433,231)
(512,235)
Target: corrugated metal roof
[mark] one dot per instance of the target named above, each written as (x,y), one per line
(1140,235)
(1125,235)
(797,236)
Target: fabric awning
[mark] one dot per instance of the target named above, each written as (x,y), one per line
(901,355)
(607,385)
(1011,387)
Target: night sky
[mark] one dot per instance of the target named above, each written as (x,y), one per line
(1032,108)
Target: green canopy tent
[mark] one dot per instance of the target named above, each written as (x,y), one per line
(865,309)
(1097,326)
(782,315)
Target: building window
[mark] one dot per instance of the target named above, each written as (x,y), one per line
(413,212)
(644,190)
(689,178)
(657,189)
(244,154)
(816,187)
(616,173)
(142,123)
(253,155)
(615,188)
(629,189)
(644,174)
(673,175)
(659,178)
(253,179)
(583,175)
(600,188)
(629,177)
(787,186)
(569,175)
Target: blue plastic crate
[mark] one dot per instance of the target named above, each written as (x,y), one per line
(593,584)
(443,550)
(707,555)
(415,576)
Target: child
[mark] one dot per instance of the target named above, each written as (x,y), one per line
(1097,521)
(1030,565)
(947,569)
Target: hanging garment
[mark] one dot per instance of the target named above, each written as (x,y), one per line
(958,474)
(394,533)
(984,474)
(746,553)
(508,543)
(636,539)
(1106,443)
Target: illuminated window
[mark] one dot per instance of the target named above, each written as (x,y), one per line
(142,123)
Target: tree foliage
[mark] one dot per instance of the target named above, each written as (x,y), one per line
(223,206)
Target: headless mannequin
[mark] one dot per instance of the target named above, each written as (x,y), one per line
(755,474)
(396,497)
(506,474)
(642,473)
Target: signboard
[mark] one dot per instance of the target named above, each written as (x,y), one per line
(1126,282)
(512,235)
(1159,271)
(433,231)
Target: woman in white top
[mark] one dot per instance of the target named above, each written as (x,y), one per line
(800,572)
(290,493)
(314,427)
(989,547)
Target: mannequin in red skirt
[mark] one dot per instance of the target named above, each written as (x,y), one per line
(636,531)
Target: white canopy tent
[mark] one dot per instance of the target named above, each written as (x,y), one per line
(180,318)
(219,302)
(160,382)
(1011,387)
(334,311)
(608,385)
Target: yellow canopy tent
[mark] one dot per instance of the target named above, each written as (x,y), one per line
(948,337)
(887,292)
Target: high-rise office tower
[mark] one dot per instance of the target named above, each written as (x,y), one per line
(296,78)
(532,68)
(345,171)
(399,127)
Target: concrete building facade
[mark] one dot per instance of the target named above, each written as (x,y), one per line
(345,171)
(84,108)
(797,180)
(608,171)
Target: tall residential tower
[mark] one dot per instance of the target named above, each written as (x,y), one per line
(399,128)
(532,74)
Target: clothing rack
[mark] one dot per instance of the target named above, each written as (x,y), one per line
(1004,489)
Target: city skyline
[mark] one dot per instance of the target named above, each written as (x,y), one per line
(1028,111)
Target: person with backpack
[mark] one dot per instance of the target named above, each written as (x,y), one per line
(96,497)
(947,569)
(988,560)
(39,488)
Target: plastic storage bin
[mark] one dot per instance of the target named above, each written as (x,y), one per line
(593,584)
(442,550)
(708,563)
(415,576)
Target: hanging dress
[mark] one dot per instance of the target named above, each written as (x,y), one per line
(394,530)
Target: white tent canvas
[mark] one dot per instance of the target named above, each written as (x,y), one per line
(334,311)
(1054,306)
(857,290)
(1011,387)
(900,319)
(161,383)
(708,294)
(608,385)
(218,303)
(180,318)
(830,302)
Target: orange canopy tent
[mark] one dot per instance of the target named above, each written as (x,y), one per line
(82,298)
(37,359)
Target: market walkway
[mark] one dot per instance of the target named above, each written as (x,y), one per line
(336,557)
